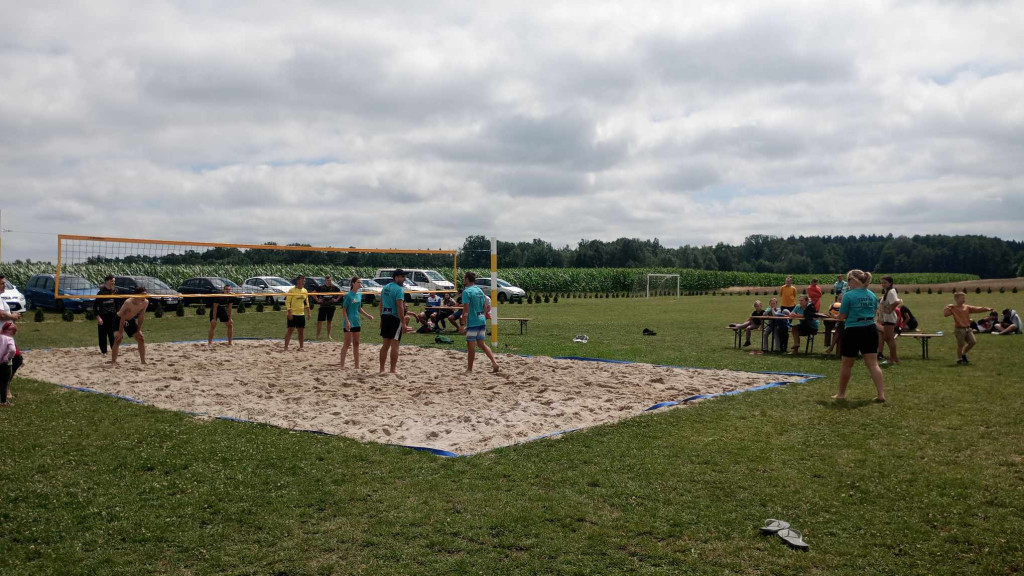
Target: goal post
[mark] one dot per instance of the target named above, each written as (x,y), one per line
(171,261)
(663,277)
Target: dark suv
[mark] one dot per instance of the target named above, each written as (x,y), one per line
(214,285)
(39,293)
(155,289)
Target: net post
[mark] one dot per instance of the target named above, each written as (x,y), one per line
(494,291)
(648,285)
(56,284)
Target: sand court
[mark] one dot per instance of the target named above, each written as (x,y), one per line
(432,403)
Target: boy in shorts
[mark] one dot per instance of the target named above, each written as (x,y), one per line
(130,318)
(961,314)
(475,309)
(220,310)
(297,304)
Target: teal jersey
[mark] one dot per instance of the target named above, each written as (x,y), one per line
(840,287)
(859,306)
(351,303)
(390,296)
(476,300)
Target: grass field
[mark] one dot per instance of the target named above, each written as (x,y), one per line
(930,483)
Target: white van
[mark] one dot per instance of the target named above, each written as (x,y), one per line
(429,279)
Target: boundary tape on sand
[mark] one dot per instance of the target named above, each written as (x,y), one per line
(448,454)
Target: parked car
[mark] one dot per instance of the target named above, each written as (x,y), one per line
(506,291)
(155,288)
(269,285)
(214,285)
(370,289)
(39,293)
(429,279)
(312,282)
(413,293)
(15,300)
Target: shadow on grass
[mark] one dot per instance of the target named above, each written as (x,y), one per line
(845,404)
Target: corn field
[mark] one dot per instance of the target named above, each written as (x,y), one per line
(552,280)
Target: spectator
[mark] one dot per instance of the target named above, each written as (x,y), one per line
(754,321)
(907,320)
(808,326)
(834,330)
(10,360)
(890,319)
(860,335)
(778,330)
(840,286)
(961,314)
(5,310)
(787,295)
(1010,324)
(814,293)
(986,324)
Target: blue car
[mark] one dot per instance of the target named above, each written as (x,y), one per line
(39,293)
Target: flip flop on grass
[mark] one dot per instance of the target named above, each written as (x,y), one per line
(794,538)
(772,526)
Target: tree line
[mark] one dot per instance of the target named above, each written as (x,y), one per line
(984,256)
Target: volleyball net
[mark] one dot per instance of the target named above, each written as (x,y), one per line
(166,267)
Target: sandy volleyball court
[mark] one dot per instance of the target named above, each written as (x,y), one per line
(431,403)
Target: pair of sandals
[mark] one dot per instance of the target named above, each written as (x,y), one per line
(649,332)
(781,528)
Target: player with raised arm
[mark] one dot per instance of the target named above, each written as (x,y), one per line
(130,318)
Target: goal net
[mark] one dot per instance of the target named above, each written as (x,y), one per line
(662,285)
(166,268)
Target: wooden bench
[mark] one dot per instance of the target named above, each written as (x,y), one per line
(924,340)
(523,323)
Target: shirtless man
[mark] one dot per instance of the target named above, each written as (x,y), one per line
(130,319)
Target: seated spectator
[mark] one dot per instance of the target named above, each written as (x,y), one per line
(907,320)
(834,330)
(1010,324)
(808,324)
(753,322)
(986,324)
(778,330)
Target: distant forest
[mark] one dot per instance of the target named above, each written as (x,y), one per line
(986,257)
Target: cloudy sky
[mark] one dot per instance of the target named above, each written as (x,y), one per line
(415,124)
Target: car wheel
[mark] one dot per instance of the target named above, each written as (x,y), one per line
(408,298)
(270,300)
(502,298)
(29,305)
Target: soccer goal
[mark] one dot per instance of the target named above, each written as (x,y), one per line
(661,282)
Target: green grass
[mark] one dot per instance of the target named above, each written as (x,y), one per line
(930,483)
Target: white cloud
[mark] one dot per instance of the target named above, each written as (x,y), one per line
(410,124)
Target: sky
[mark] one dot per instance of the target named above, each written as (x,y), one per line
(416,124)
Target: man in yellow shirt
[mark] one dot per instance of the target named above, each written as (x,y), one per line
(787,295)
(297,305)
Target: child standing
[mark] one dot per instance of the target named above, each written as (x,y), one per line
(8,353)
(961,314)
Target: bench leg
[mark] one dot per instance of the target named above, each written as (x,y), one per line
(924,348)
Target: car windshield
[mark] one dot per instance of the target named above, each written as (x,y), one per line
(434,276)
(217,283)
(152,284)
(367,283)
(9,286)
(75,283)
(224,281)
(410,284)
(503,284)
(277,282)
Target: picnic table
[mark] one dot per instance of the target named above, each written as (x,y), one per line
(522,323)
(924,338)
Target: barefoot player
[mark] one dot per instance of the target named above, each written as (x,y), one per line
(130,318)
(352,307)
(297,304)
(220,310)
(475,309)
(392,319)
(327,305)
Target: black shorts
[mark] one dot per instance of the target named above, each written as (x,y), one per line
(131,328)
(806,328)
(222,314)
(297,321)
(390,327)
(888,323)
(861,339)
(354,329)
(326,313)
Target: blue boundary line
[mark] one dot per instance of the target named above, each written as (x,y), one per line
(448,454)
